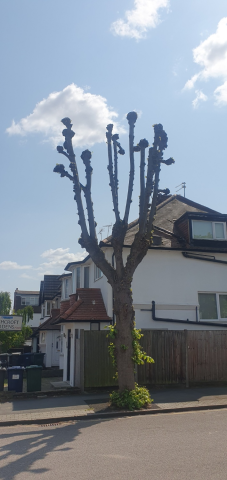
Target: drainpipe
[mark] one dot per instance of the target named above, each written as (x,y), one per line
(187,322)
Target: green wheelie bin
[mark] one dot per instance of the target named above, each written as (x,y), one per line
(34,378)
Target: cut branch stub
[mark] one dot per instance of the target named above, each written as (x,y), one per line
(166,191)
(132,117)
(59,169)
(160,136)
(86,157)
(67,122)
(170,161)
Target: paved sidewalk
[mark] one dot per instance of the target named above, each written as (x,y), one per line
(50,410)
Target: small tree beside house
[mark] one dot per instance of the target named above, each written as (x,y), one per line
(124,347)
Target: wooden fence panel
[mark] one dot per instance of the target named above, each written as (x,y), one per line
(206,359)
(207,356)
(98,368)
(168,349)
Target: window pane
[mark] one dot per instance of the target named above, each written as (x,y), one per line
(86,277)
(223,305)
(78,277)
(208,306)
(94,326)
(202,230)
(219,230)
(66,288)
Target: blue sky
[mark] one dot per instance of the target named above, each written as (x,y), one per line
(95,62)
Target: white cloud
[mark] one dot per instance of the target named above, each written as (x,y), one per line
(90,115)
(25,275)
(8,265)
(60,257)
(144,16)
(221,94)
(200,97)
(211,55)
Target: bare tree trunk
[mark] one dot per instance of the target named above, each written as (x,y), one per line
(124,312)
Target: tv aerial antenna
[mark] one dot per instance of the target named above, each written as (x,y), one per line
(108,227)
(182,185)
(100,232)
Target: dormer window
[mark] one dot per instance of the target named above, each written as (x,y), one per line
(205,230)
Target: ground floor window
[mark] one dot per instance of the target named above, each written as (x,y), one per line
(213,306)
(94,326)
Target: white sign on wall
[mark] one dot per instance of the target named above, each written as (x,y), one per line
(10,323)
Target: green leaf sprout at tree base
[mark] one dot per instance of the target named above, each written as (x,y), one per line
(131,399)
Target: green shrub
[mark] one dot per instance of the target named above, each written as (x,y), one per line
(131,399)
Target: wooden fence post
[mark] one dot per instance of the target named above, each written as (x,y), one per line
(186,358)
(82,360)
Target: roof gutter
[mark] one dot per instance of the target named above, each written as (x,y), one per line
(187,322)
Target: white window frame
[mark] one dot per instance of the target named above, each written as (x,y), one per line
(213,230)
(219,319)
(23,301)
(97,273)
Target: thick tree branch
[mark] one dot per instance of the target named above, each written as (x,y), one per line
(143,144)
(111,174)
(86,157)
(69,134)
(131,117)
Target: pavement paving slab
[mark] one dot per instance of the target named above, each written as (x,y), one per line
(93,404)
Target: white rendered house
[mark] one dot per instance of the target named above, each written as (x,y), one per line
(184,274)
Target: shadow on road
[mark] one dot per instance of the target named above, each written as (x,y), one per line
(20,450)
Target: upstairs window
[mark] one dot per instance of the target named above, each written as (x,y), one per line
(78,277)
(29,301)
(203,230)
(66,288)
(98,273)
(86,277)
(48,309)
(213,306)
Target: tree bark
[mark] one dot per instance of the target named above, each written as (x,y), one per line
(124,312)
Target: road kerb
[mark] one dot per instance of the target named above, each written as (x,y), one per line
(109,415)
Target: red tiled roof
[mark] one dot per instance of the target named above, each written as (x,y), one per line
(50,323)
(86,305)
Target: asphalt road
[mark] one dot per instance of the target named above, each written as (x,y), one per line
(187,446)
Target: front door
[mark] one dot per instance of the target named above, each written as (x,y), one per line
(55,349)
(68,355)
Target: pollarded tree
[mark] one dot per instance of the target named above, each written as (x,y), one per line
(120,277)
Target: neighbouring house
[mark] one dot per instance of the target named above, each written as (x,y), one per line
(82,310)
(49,337)
(45,338)
(24,298)
(184,274)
